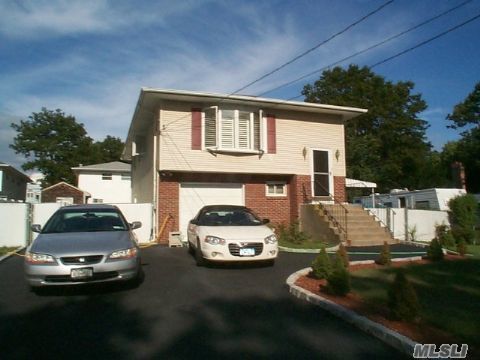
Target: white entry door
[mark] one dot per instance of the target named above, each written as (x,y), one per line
(194,196)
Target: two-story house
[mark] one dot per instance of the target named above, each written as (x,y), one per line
(13,183)
(106,183)
(190,149)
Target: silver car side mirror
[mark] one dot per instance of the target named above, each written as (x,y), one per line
(36,228)
(135,225)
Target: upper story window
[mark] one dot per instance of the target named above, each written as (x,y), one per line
(126,177)
(227,129)
(107,176)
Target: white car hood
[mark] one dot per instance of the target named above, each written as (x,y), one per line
(258,232)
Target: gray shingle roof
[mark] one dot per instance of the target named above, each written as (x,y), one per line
(110,166)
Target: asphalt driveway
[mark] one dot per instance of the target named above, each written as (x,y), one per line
(179,312)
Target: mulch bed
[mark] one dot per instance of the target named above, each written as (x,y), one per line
(418,331)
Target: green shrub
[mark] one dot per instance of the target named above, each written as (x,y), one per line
(462,248)
(385,257)
(463,216)
(402,299)
(342,252)
(434,251)
(338,281)
(291,233)
(321,266)
(444,235)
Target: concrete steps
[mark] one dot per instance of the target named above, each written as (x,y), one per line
(363,228)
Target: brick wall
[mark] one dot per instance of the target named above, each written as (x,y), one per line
(62,190)
(168,209)
(339,186)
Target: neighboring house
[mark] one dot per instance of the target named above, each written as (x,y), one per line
(34,193)
(426,199)
(65,194)
(13,183)
(107,183)
(190,149)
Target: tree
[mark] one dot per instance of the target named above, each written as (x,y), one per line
(388,144)
(56,142)
(466,116)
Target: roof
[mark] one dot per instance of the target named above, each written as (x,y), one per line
(15,171)
(110,166)
(67,184)
(150,98)
(353,183)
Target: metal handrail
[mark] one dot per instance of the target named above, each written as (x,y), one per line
(337,218)
(381,221)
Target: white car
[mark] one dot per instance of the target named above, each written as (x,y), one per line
(230,233)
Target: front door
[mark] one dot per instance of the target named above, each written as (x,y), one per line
(321,173)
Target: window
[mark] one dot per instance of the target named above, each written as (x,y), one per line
(422,205)
(126,177)
(97,201)
(107,176)
(235,130)
(276,189)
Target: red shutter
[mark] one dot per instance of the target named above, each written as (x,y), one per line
(271,135)
(196,129)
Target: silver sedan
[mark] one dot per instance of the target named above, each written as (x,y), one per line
(83,244)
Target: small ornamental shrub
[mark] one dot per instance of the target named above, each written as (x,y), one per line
(385,257)
(338,281)
(444,235)
(291,233)
(434,251)
(462,248)
(321,266)
(342,252)
(402,299)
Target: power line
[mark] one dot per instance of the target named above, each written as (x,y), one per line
(426,41)
(367,49)
(313,48)
(363,18)
(415,46)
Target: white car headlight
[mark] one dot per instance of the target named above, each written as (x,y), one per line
(34,258)
(123,254)
(270,239)
(214,240)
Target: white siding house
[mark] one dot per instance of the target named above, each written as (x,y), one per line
(106,183)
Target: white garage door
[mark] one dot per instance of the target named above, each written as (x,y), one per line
(194,196)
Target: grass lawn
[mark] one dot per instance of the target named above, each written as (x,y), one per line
(448,291)
(5,249)
(471,249)
(308,244)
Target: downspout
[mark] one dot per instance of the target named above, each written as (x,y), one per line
(155,173)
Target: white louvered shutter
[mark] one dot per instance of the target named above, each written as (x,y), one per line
(244,129)
(228,129)
(211,127)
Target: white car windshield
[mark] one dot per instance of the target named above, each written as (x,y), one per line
(85,221)
(235,217)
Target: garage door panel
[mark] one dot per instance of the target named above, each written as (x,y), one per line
(195,196)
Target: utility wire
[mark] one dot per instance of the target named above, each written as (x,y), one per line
(415,46)
(423,23)
(363,18)
(426,41)
(313,48)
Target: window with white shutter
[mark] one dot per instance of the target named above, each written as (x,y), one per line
(232,130)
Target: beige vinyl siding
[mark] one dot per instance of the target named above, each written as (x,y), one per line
(294,130)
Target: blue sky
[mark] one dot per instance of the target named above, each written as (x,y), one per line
(90,58)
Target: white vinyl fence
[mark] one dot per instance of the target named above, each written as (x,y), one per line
(409,224)
(15,220)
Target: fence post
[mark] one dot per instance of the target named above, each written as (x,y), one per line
(406,223)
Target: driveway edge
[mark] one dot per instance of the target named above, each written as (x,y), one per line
(388,336)
(306,251)
(5,257)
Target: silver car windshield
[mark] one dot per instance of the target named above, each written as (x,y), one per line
(229,218)
(85,221)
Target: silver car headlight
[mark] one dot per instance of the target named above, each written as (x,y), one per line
(270,239)
(39,259)
(214,240)
(123,254)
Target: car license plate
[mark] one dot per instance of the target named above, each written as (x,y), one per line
(247,252)
(81,273)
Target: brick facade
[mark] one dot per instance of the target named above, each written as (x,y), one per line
(277,209)
(51,193)
(339,188)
